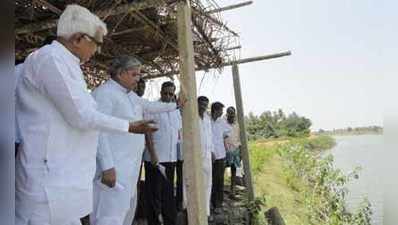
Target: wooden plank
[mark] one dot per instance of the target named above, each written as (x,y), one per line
(243,138)
(193,177)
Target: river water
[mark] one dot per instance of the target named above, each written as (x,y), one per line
(362,150)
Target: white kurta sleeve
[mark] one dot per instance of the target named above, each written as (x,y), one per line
(104,153)
(210,133)
(74,102)
(156,107)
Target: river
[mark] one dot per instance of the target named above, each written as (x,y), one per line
(362,150)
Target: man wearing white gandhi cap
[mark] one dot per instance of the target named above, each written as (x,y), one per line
(59,125)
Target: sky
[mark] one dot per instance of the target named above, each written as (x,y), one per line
(343,57)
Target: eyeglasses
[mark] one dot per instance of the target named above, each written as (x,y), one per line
(91,39)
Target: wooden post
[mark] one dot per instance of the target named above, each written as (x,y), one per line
(193,177)
(242,127)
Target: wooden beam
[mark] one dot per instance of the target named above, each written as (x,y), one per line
(241,61)
(259,58)
(235,6)
(243,138)
(193,177)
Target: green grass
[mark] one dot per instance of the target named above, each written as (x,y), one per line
(270,181)
(280,189)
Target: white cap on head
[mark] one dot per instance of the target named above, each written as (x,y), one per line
(77,19)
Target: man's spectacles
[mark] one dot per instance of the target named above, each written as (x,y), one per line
(91,39)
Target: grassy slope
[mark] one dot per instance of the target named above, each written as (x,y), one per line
(271,181)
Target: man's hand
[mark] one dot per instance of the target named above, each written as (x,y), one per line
(181,101)
(154,159)
(143,127)
(109,177)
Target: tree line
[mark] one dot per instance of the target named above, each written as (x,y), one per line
(275,124)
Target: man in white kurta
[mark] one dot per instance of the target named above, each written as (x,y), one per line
(59,126)
(220,130)
(120,152)
(159,188)
(207,148)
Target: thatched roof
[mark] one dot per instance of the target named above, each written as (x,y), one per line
(144,28)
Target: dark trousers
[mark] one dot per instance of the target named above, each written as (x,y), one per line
(179,192)
(159,193)
(217,190)
(233,178)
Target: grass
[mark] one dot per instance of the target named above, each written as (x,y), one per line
(280,189)
(270,181)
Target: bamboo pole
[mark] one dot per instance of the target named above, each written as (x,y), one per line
(241,61)
(235,6)
(242,127)
(193,177)
(50,6)
(258,58)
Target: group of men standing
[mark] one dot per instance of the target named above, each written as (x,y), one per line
(80,153)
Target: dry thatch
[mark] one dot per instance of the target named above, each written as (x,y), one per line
(144,28)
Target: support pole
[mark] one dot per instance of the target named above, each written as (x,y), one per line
(235,6)
(241,119)
(193,177)
(230,63)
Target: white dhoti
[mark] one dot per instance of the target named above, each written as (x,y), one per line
(111,207)
(28,212)
(115,207)
(207,181)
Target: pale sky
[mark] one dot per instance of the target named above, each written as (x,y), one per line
(343,52)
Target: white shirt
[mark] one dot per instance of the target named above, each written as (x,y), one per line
(58,124)
(221,130)
(233,140)
(206,136)
(166,138)
(123,151)
(115,100)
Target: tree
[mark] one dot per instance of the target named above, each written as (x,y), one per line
(276,124)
